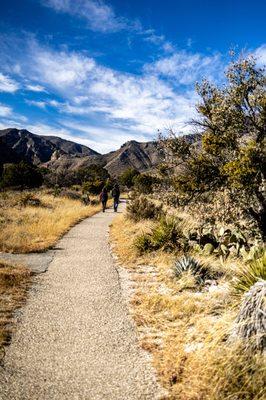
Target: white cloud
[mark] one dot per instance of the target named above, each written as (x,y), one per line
(7,84)
(260,55)
(5,111)
(137,104)
(35,88)
(99,16)
(121,105)
(39,104)
(186,67)
(100,138)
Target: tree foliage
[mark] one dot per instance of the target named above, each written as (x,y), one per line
(127,177)
(231,152)
(144,183)
(22,175)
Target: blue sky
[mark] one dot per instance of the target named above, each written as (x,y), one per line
(101,73)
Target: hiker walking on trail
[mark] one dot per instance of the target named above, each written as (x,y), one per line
(104,198)
(116,195)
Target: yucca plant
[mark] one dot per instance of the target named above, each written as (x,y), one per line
(188,263)
(167,235)
(250,324)
(254,272)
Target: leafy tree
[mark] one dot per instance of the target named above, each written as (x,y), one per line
(93,187)
(127,177)
(231,153)
(21,175)
(93,178)
(143,183)
(92,173)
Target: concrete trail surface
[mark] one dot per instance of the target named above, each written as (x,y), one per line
(75,339)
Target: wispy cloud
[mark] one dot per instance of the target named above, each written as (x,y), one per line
(144,102)
(260,55)
(7,84)
(36,103)
(186,67)
(35,88)
(98,15)
(5,111)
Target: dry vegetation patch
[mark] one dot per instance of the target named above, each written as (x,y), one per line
(35,221)
(185,325)
(14,282)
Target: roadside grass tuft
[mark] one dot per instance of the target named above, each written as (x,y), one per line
(192,356)
(27,228)
(14,283)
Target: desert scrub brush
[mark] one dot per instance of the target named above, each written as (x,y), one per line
(188,263)
(250,324)
(251,274)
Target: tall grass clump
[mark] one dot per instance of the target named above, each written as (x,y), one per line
(166,235)
(14,282)
(250,274)
(29,228)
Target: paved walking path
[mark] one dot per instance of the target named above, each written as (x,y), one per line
(75,339)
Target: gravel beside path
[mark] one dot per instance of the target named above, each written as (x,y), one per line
(75,339)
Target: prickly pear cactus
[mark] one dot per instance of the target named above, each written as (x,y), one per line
(250,324)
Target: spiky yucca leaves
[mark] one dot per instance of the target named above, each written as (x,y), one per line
(254,272)
(166,235)
(188,263)
(250,324)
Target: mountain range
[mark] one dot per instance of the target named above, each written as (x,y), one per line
(60,154)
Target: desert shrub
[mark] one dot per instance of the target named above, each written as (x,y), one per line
(252,273)
(28,199)
(70,195)
(250,324)
(143,183)
(22,175)
(143,243)
(166,235)
(94,202)
(127,177)
(142,208)
(190,264)
(93,187)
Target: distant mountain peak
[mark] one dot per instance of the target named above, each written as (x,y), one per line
(60,154)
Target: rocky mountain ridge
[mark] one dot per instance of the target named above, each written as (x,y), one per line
(60,154)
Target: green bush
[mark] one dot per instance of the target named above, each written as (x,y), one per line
(167,235)
(143,183)
(127,177)
(22,175)
(143,243)
(142,208)
(254,272)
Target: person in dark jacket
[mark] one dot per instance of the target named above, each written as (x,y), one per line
(104,198)
(116,195)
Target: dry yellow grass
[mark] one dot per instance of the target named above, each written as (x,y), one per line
(26,229)
(186,328)
(14,282)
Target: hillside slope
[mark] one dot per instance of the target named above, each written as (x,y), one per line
(39,149)
(59,154)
